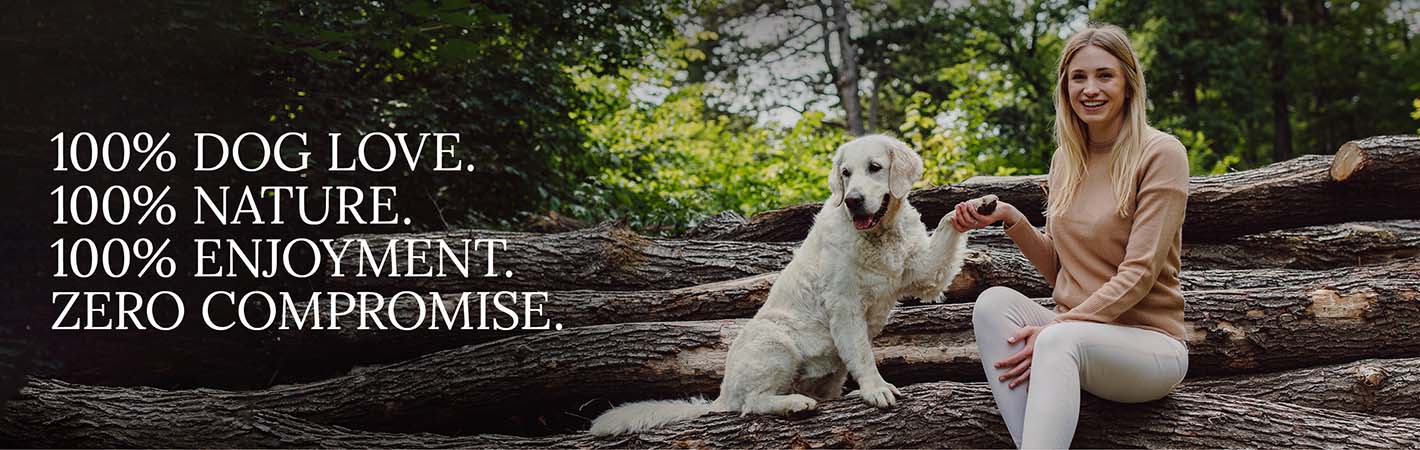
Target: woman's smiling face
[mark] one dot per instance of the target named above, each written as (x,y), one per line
(1096,87)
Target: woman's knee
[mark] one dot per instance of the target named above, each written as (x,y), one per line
(1061,340)
(993,303)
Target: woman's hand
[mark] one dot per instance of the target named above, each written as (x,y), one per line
(966,217)
(1019,362)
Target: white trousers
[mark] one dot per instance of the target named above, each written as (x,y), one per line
(1114,362)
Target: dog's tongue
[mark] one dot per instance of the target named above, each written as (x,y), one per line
(863,223)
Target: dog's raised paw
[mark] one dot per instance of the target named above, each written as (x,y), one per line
(986,204)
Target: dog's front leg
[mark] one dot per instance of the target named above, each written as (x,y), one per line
(931,270)
(850,335)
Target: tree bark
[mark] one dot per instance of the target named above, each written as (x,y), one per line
(613,258)
(1299,192)
(607,257)
(724,300)
(1288,279)
(1278,55)
(1387,387)
(792,223)
(251,359)
(1313,248)
(847,80)
(1233,331)
(299,355)
(723,222)
(1379,162)
(941,414)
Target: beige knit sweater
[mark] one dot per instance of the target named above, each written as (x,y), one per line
(1109,269)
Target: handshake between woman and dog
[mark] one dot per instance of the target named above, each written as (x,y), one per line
(868,247)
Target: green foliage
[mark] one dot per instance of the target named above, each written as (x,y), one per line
(666,160)
(985,72)
(492,71)
(1202,159)
(1332,72)
(605,110)
(943,157)
(1416,114)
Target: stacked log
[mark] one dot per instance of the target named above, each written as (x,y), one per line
(937,414)
(1369,180)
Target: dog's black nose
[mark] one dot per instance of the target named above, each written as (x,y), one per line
(854,200)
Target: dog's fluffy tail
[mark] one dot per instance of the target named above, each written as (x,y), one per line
(641,416)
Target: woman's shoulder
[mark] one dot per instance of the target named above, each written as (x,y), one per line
(1159,141)
(1161,147)
(1164,158)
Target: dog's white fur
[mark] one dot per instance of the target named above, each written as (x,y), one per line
(829,302)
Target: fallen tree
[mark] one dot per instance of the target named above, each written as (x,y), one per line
(789,224)
(1315,247)
(612,252)
(313,354)
(1387,387)
(1381,161)
(301,355)
(612,257)
(941,414)
(1342,319)
(607,257)
(724,300)
(948,414)
(1374,180)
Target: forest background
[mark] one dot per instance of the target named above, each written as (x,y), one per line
(662,113)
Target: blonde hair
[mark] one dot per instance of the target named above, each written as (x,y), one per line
(1070,130)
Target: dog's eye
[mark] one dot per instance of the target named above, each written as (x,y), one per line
(846,173)
(874,167)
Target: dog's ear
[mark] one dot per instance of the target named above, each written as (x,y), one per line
(906,168)
(835,179)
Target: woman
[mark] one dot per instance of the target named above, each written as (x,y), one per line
(1110,251)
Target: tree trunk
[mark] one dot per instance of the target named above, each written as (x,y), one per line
(1381,162)
(1284,279)
(847,69)
(607,257)
(335,352)
(296,355)
(1313,248)
(1387,387)
(1233,331)
(723,222)
(1295,193)
(1278,54)
(789,224)
(725,300)
(612,257)
(942,414)
(875,101)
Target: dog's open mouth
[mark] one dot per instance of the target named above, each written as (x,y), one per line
(867,221)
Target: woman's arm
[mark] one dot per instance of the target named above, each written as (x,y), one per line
(1158,219)
(1035,245)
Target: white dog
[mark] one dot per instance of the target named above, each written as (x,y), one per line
(867,248)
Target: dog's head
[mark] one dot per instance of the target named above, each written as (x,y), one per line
(870,176)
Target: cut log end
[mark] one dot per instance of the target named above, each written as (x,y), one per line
(1348,160)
